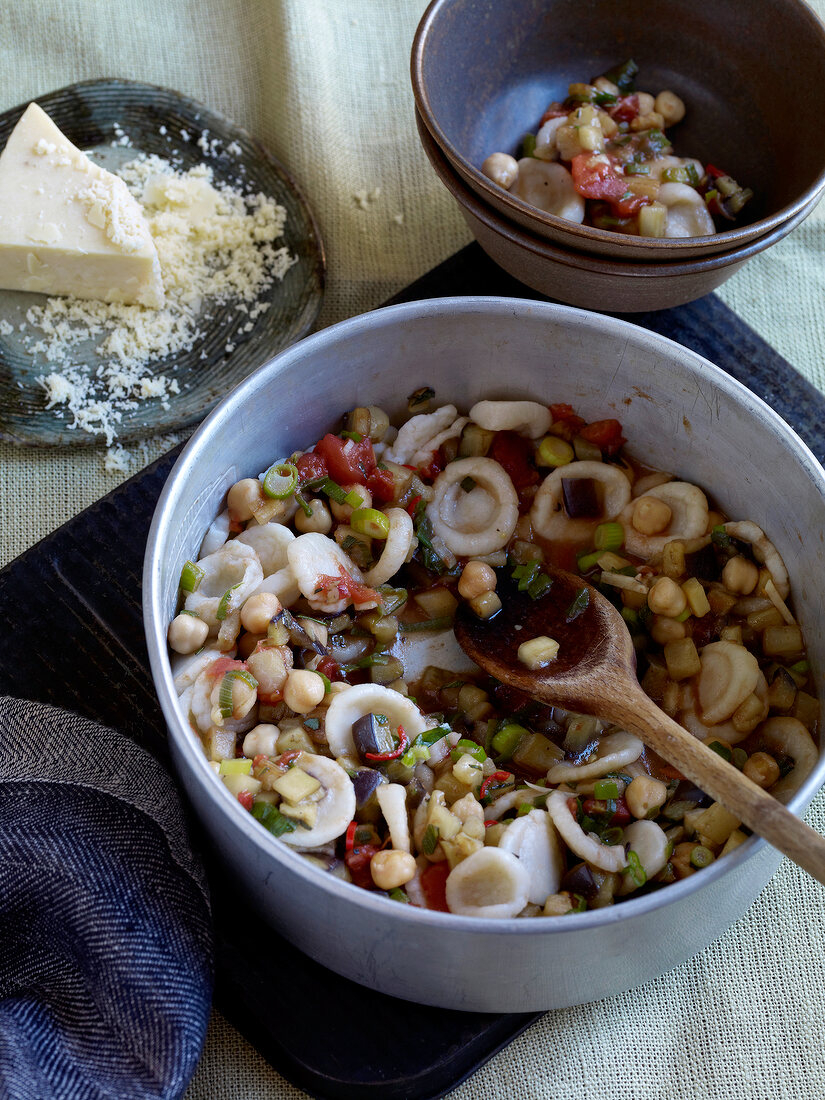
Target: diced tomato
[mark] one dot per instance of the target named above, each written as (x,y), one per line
(358,864)
(223,664)
(597,807)
(629,204)
(348,588)
(235,525)
(595,177)
(330,668)
(245,799)
(555,110)
(714,172)
(348,462)
(310,466)
(381,485)
(434,467)
(606,434)
(434,886)
(625,109)
(564,414)
(513,452)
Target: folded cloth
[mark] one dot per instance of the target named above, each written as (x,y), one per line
(105,935)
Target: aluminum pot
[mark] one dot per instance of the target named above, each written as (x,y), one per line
(679,413)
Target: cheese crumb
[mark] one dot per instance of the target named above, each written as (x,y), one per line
(214,245)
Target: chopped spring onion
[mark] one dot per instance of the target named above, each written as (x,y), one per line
(701,856)
(553,451)
(353,499)
(224,607)
(738,757)
(634,866)
(801,666)
(225,702)
(302,503)
(612,836)
(430,841)
(524,809)
(327,682)
(720,750)
(333,490)
(631,617)
(470,748)
(441,623)
(370,521)
(636,169)
(609,536)
(191,576)
(719,536)
(606,789)
(528,145)
(184,611)
(397,894)
(579,604)
(392,599)
(623,76)
(505,740)
(586,562)
(419,400)
(272,819)
(280,480)
(356,437)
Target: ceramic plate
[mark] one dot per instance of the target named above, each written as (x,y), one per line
(95,115)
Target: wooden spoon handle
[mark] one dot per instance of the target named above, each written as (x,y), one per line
(757,809)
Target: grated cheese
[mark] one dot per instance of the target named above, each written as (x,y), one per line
(215,245)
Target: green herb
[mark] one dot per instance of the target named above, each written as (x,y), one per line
(634,866)
(442,623)
(602,99)
(392,599)
(191,576)
(272,819)
(312,723)
(423,528)
(623,76)
(506,740)
(612,835)
(430,840)
(720,537)
(356,437)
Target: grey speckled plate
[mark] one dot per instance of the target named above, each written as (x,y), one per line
(91,114)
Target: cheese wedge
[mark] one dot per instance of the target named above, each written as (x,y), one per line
(67,226)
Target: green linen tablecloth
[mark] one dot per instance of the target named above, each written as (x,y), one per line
(324,84)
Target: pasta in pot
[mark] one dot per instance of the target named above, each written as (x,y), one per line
(298,660)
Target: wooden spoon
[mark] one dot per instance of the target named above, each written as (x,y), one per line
(595,673)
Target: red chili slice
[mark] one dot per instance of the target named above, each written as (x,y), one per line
(434,886)
(399,750)
(498,779)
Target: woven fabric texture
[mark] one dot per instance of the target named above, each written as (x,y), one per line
(324,84)
(105,939)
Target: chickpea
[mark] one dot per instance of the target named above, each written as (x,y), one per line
(476,578)
(666,597)
(242,497)
(647,102)
(670,107)
(261,739)
(740,575)
(680,860)
(651,516)
(644,794)
(343,512)
(320,521)
(304,690)
(650,121)
(762,769)
(664,630)
(186,633)
(502,169)
(258,610)
(392,868)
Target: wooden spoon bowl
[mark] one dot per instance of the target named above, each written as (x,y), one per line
(595,673)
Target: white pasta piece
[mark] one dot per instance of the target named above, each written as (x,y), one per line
(648,841)
(346,708)
(548,186)
(335,809)
(283,584)
(546,146)
(547,513)
(614,751)
(507,802)
(488,883)
(687,212)
(415,434)
(764,551)
(658,165)
(396,548)
(424,455)
(722,731)
(392,798)
(481,520)
(606,857)
(216,534)
(187,668)
(312,556)
(270,542)
(689,520)
(788,737)
(528,418)
(235,566)
(533,840)
(729,674)
(203,706)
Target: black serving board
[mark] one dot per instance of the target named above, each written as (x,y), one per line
(71,634)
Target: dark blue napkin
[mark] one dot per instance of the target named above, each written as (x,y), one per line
(105,936)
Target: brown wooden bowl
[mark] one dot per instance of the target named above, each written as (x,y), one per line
(594,282)
(751,76)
